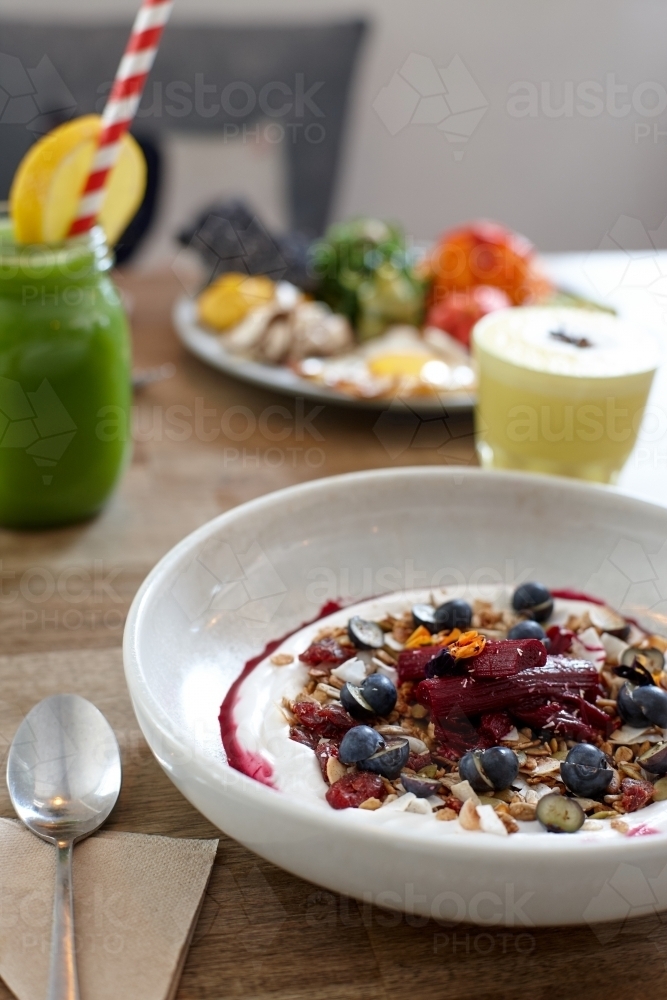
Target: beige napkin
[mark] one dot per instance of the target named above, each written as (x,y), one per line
(136,901)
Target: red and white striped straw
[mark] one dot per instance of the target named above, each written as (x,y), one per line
(121,106)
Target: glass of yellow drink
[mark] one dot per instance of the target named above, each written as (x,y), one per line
(561,391)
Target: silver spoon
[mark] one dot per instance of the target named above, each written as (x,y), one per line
(63,775)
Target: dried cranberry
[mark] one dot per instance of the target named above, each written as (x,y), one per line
(418,760)
(560,639)
(305,736)
(326,651)
(325,720)
(495,724)
(454,804)
(323,751)
(354,788)
(635,794)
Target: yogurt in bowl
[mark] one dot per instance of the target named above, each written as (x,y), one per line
(259,571)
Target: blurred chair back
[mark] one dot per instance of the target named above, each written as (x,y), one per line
(293,79)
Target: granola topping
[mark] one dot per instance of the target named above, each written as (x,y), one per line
(589,694)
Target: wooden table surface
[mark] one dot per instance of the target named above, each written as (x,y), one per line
(204,443)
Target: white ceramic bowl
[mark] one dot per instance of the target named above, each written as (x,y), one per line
(260,570)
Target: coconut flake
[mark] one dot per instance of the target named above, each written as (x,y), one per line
(401,803)
(627,735)
(613,647)
(537,792)
(419,806)
(490,822)
(587,645)
(353,671)
(464,792)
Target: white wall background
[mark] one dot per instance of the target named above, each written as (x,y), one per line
(565,181)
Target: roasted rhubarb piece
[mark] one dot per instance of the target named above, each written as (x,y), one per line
(496,725)
(411,664)
(507,658)
(456,734)
(560,639)
(330,721)
(558,676)
(553,718)
(326,651)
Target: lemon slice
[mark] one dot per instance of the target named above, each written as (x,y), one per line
(231,297)
(47,185)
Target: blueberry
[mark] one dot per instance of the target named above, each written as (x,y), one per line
(390,760)
(421,787)
(586,771)
(443,664)
(354,702)
(365,635)
(560,815)
(655,759)
(533,599)
(489,770)
(653,703)
(380,693)
(629,710)
(359,743)
(585,753)
(527,630)
(501,766)
(470,769)
(424,614)
(453,614)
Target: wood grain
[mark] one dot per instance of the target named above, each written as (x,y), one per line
(263,934)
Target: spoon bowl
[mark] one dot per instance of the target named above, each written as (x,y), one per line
(63,776)
(63,771)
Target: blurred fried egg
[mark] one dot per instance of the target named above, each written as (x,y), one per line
(402,361)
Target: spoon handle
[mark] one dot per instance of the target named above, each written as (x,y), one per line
(63,982)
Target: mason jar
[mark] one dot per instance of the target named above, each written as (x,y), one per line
(65,389)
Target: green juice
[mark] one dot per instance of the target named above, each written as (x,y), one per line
(65,388)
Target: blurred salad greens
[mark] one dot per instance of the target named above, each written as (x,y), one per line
(365,271)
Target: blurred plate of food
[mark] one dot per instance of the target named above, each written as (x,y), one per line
(359,317)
